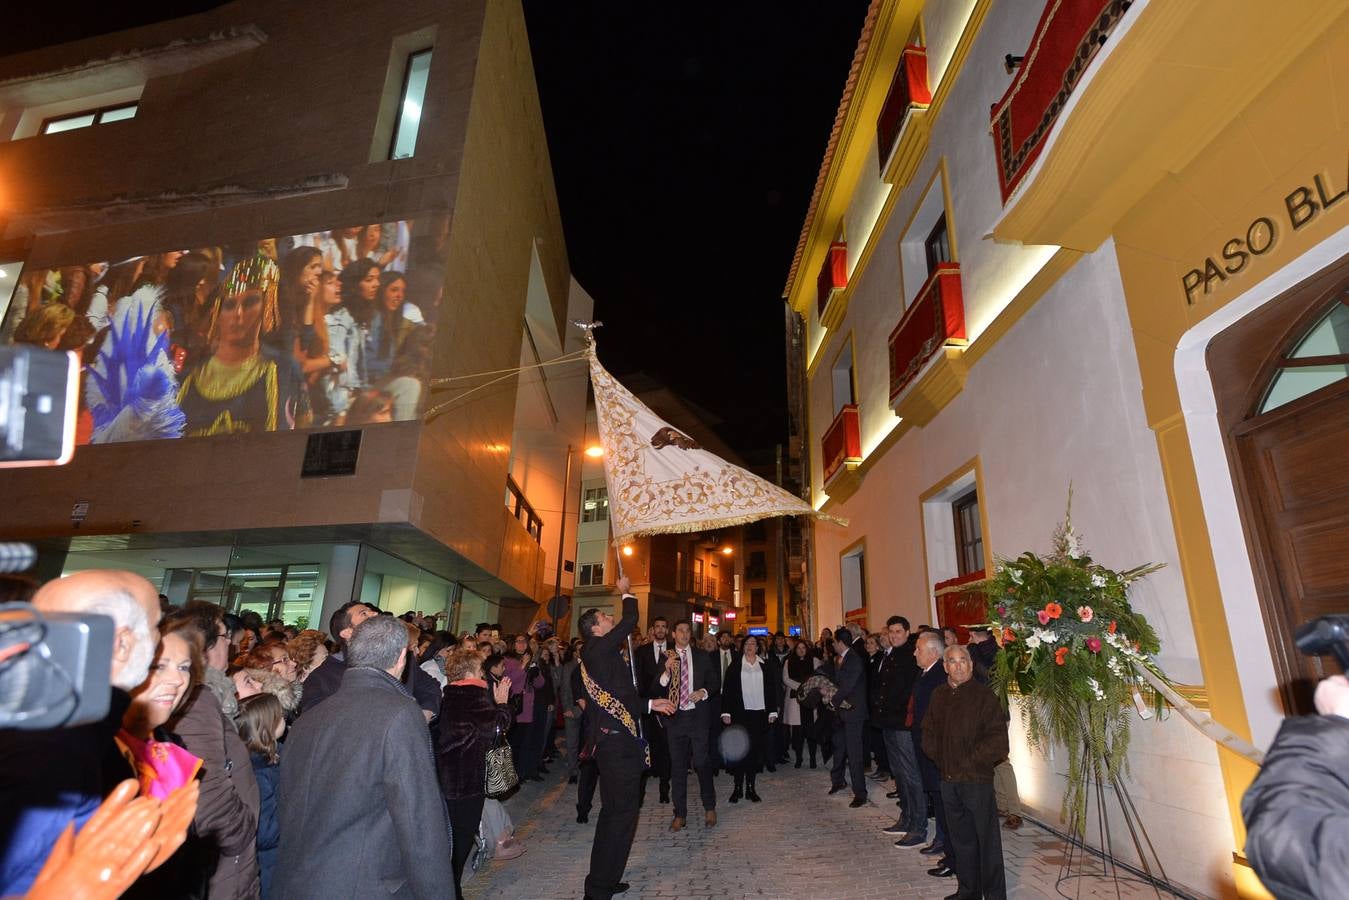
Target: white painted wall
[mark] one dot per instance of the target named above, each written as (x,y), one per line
(1056,400)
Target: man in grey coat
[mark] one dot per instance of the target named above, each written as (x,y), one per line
(360,809)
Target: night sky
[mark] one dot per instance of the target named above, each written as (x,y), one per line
(685,141)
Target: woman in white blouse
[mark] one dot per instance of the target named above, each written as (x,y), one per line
(749,697)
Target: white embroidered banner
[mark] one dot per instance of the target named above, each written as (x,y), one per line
(661,481)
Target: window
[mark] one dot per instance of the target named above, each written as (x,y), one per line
(757,570)
(410,104)
(756,531)
(595,505)
(697,576)
(522,510)
(969,533)
(844,390)
(88,117)
(853,575)
(758,603)
(1318,360)
(591,573)
(937,245)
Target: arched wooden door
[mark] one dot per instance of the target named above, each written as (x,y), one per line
(1282,380)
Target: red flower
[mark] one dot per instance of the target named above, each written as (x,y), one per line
(1053,610)
(1112,627)
(1042,616)
(1094,644)
(1008,635)
(1060,655)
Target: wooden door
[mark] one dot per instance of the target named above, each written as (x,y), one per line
(1295,462)
(1281,381)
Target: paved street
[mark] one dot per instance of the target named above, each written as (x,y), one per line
(798,843)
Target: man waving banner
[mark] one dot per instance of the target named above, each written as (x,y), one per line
(660,481)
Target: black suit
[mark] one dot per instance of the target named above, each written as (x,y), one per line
(619,754)
(687,730)
(653,725)
(587,775)
(851,679)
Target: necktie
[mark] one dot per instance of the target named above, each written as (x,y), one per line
(683,681)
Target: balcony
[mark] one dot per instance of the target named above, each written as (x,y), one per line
(901,128)
(1087,129)
(833,278)
(842,444)
(934,321)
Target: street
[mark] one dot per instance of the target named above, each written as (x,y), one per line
(798,843)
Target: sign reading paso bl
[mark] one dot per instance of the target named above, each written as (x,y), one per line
(1302,206)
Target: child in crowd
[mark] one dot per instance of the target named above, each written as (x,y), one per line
(262,722)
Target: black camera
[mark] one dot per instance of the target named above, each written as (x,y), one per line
(54,668)
(39,398)
(1327,634)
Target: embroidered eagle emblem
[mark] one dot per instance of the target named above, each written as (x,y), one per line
(668,436)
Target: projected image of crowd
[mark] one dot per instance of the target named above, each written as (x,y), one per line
(322,329)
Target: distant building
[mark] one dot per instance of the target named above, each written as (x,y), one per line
(1128,277)
(722,580)
(313,217)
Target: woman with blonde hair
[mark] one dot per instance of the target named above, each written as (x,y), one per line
(472,722)
(308,649)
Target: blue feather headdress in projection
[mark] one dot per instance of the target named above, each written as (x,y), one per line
(131,388)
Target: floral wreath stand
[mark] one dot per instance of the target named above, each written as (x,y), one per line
(1081,862)
(1083,661)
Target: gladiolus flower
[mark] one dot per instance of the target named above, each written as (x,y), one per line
(1112,627)
(1060,655)
(1008,635)
(1043,617)
(1084,613)
(1053,610)
(1094,644)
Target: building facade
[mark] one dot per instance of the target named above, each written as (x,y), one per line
(286,246)
(1128,278)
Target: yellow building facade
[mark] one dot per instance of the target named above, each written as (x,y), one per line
(1149,305)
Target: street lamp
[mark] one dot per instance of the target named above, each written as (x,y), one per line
(594,451)
(726,551)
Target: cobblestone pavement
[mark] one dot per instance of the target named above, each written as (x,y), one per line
(798,843)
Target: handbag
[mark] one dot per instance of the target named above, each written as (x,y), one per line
(501,776)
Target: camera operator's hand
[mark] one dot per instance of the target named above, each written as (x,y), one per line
(1332,696)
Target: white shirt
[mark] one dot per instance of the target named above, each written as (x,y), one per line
(751,683)
(659,650)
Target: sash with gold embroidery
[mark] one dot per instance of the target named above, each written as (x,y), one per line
(615,708)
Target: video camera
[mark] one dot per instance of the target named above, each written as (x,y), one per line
(1327,634)
(39,399)
(54,668)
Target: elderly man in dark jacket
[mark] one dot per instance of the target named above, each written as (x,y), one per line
(965,735)
(927,653)
(361,811)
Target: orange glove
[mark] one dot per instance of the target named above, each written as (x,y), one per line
(110,852)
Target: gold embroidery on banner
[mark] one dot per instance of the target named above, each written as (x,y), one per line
(706,493)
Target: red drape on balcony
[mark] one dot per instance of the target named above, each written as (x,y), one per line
(936,316)
(961,602)
(1066,40)
(909,88)
(833,274)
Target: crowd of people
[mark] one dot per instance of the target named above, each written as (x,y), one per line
(355,760)
(328,328)
(352,761)
(905,706)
